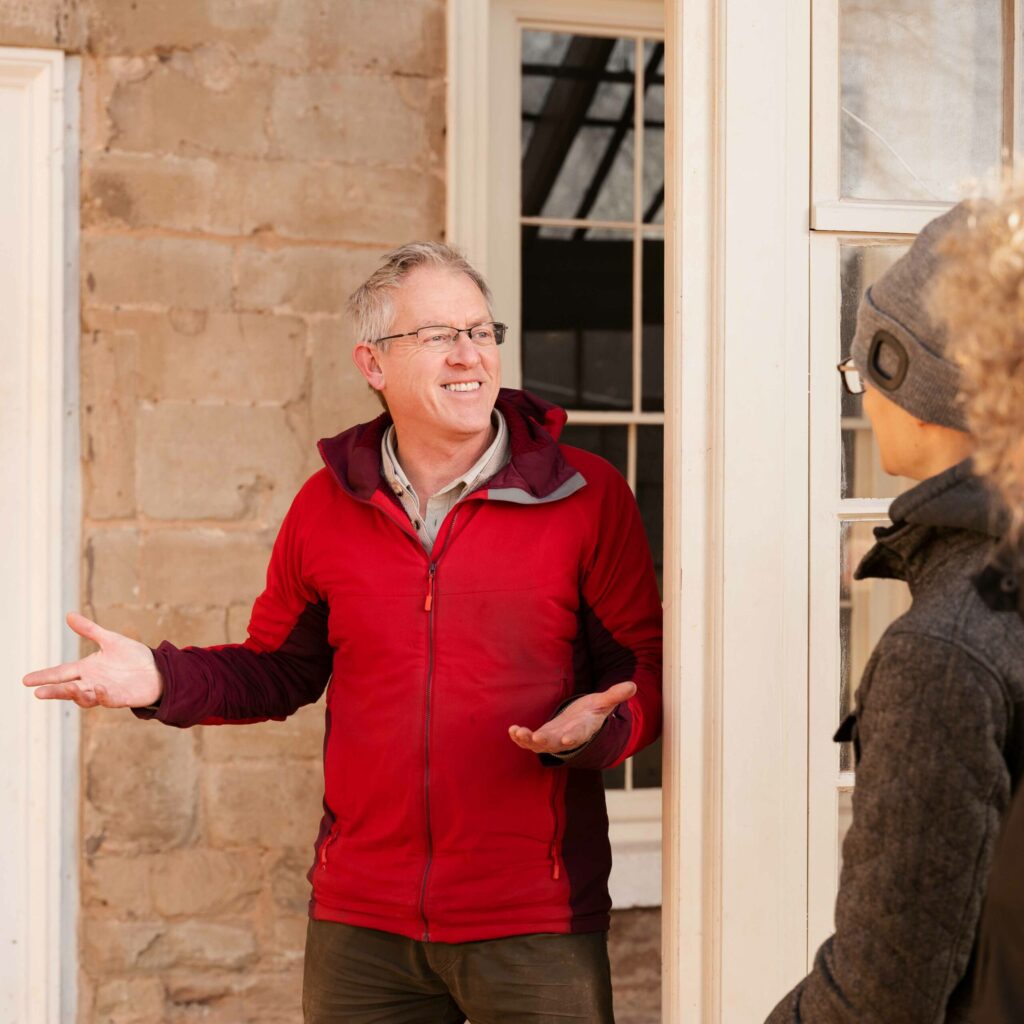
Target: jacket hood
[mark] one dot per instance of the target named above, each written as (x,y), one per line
(955,499)
(536,466)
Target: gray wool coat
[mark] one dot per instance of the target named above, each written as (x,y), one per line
(938,735)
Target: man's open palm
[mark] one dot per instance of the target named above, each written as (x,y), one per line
(121,674)
(574,726)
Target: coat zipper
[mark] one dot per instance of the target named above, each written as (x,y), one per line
(325,845)
(554,852)
(428,607)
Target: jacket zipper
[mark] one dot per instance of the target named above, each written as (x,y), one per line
(428,607)
(556,839)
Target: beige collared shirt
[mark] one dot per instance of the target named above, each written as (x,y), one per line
(440,504)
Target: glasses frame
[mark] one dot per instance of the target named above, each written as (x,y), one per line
(500,330)
(844,368)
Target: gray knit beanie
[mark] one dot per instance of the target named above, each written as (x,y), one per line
(897,347)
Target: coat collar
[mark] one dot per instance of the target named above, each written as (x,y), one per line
(536,469)
(954,500)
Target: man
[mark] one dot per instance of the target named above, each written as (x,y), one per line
(936,728)
(483,602)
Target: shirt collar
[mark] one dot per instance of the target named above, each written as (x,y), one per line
(484,468)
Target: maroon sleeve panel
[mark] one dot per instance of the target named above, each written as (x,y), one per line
(621,621)
(285,662)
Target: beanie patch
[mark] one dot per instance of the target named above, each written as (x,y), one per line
(888,361)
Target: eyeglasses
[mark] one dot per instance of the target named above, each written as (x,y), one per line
(442,339)
(853,383)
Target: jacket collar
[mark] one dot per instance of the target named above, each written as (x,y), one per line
(536,469)
(955,499)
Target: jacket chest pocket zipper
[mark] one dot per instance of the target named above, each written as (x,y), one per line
(331,836)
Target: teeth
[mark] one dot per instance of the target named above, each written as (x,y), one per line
(472,385)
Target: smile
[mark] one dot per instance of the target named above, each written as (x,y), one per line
(470,385)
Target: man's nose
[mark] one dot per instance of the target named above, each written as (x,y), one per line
(463,351)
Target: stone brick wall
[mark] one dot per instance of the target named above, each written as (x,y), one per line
(244,164)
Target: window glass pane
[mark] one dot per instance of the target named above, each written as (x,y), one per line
(845,818)
(862,473)
(610,442)
(578,126)
(921,96)
(647,767)
(654,134)
(650,476)
(653,316)
(867,607)
(578,320)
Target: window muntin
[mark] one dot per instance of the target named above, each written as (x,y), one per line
(592,260)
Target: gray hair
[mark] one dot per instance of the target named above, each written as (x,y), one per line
(370,305)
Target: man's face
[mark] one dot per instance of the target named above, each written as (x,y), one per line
(419,384)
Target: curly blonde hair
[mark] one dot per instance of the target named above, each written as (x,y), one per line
(979,293)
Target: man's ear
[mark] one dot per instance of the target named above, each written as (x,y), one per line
(365,358)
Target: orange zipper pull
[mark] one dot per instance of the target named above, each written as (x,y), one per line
(429,602)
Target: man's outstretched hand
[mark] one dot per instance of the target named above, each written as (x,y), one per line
(574,726)
(121,674)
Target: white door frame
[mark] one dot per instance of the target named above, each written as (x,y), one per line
(39,530)
(735,902)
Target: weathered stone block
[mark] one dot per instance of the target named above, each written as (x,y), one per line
(340,396)
(198,882)
(130,1001)
(201,103)
(117,886)
(139,190)
(238,622)
(132,271)
(111,946)
(119,26)
(216,462)
(44,23)
(301,279)
(112,567)
(263,805)
(299,738)
(350,202)
(269,997)
(209,567)
(223,357)
(200,944)
(141,781)
(354,118)
(288,879)
(109,362)
(182,626)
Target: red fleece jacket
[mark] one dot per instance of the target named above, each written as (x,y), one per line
(540,587)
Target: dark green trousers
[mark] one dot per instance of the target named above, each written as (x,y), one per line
(362,976)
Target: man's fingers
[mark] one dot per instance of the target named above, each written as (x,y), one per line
(66,673)
(86,628)
(620,692)
(67,691)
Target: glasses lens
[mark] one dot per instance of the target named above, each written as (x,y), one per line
(436,337)
(853,382)
(483,334)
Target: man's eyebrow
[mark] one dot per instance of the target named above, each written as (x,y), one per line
(439,323)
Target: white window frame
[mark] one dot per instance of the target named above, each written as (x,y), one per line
(40,515)
(484,219)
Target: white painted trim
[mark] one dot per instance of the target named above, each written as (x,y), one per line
(34,516)
(734,932)
(870,217)
(691,779)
